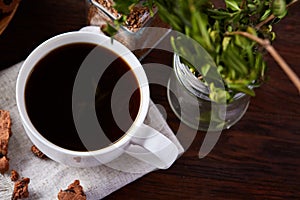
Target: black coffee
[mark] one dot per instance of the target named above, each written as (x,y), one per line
(48,96)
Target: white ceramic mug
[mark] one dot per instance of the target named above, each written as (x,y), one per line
(140,141)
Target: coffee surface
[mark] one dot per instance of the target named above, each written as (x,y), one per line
(49,89)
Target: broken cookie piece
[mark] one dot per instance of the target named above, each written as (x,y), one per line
(5,122)
(38,153)
(73,192)
(4,164)
(5,131)
(4,137)
(21,189)
(14,176)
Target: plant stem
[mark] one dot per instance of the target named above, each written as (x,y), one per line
(258,26)
(243,3)
(266,44)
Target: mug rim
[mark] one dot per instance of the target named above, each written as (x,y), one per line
(86,37)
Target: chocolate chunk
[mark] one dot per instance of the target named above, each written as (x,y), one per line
(14,176)
(73,192)
(38,153)
(4,164)
(21,189)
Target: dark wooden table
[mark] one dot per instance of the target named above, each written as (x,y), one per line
(258,158)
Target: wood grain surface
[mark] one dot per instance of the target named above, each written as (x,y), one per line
(258,158)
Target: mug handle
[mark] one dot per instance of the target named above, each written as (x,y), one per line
(152,147)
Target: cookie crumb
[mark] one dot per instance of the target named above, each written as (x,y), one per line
(38,153)
(21,189)
(14,176)
(74,191)
(4,164)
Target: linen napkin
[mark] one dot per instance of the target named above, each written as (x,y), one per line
(47,177)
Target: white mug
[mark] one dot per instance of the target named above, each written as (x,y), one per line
(140,141)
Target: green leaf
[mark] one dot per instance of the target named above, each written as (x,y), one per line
(216,14)
(265,15)
(242,88)
(214,35)
(251,7)
(187,31)
(251,30)
(202,25)
(194,23)
(124,7)
(172,19)
(217,95)
(233,60)
(225,42)
(250,56)
(260,65)
(232,4)
(273,36)
(258,62)
(279,8)
(241,41)
(205,70)
(109,30)
(263,69)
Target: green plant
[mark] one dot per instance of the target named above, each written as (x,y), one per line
(232,34)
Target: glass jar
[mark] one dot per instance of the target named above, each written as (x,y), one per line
(189,99)
(140,37)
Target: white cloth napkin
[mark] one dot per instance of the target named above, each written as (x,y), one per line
(47,176)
